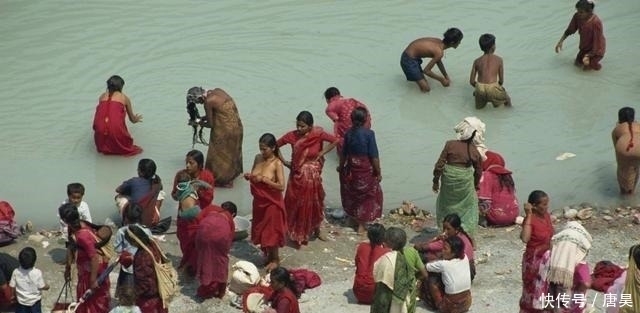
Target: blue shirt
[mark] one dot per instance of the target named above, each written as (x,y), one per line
(135,188)
(360,141)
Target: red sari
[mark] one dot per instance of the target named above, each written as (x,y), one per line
(269,223)
(284,301)
(146,281)
(304,197)
(339,111)
(536,257)
(110,129)
(186,228)
(213,240)
(100,300)
(363,285)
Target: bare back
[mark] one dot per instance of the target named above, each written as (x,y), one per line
(427,47)
(488,68)
(626,141)
(116,96)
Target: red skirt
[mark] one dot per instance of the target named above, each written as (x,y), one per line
(304,201)
(360,190)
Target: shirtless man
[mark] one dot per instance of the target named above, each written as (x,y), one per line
(428,47)
(484,73)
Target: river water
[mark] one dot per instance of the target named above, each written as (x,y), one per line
(276,58)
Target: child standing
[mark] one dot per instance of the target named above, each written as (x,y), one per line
(592,42)
(484,72)
(28,283)
(433,48)
(131,215)
(126,301)
(75,195)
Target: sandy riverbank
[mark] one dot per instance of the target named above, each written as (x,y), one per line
(496,288)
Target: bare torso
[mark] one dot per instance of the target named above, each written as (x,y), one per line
(116,96)
(266,168)
(622,137)
(428,47)
(488,68)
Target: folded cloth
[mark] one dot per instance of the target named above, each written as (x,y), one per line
(570,246)
(604,275)
(464,130)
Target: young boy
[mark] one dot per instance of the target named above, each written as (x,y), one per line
(28,283)
(75,193)
(484,72)
(131,215)
(428,47)
(592,41)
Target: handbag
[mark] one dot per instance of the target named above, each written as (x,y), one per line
(62,306)
(165,273)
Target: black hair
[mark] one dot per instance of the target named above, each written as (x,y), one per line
(269,140)
(358,117)
(506,181)
(147,168)
(585,5)
(305,117)
(331,92)
(396,238)
(282,275)
(138,232)
(70,215)
(75,188)
(27,258)
(536,196)
(452,36)
(376,234)
(487,41)
(457,246)
(230,207)
(132,213)
(115,83)
(626,115)
(634,253)
(195,95)
(197,156)
(126,295)
(454,220)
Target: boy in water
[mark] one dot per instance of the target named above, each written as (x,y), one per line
(433,48)
(592,41)
(484,72)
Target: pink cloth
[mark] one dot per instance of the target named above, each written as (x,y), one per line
(438,245)
(581,275)
(503,208)
(213,241)
(339,111)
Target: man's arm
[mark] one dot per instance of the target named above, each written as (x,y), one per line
(472,77)
(501,74)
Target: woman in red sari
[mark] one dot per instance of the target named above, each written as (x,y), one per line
(110,130)
(339,111)
(144,274)
(360,174)
(537,231)
(90,262)
(368,253)
(304,197)
(497,200)
(213,240)
(186,227)
(269,223)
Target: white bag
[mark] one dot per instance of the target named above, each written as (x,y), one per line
(244,275)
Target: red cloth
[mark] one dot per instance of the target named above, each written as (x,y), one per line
(360,190)
(269,222)
(435,247)
(100,300)
(213,242)
(501,206)
(304,197)
(339,111)
(304,279)
(110,129)
(592,39)
(534,256)
(284,301)
(146,281)
(604,275)
(150,213)
(363,285)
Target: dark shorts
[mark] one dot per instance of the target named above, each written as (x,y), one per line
(411,67)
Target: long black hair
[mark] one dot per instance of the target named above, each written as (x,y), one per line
(282,275)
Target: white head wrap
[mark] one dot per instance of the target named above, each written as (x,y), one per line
(464,130)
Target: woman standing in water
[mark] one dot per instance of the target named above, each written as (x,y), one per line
(626,142)
(304,198)
(110,130)
(224,157)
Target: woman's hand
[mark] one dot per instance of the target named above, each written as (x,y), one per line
(379,178)
(94,284)
(528,208)
(435,187)
(137,118)
(559,47)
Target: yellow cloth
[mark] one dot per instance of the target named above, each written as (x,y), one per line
(632,284)
(384,272)
(493,93)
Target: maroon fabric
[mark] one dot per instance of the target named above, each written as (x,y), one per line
(363,285)
(110,129)
(266,291)
(269,222)
(284,301)
(146,281)
(213,242)
(99,301)
(304,279)
(604,275)
(360,190)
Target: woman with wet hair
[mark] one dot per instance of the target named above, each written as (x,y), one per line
(111,135)
(626,142)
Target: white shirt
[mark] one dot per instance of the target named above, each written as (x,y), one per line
(83,210)
(456,274)
(27,283)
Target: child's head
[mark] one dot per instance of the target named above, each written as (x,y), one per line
(27,258)
(626,115)
(453,248)
(585,6)
(359,117)
(330,93)
(132,213)
(146,168)
(183,176)
(539,200)
(281,278)
(487,43)
(126,296)
(395,238)
(452,37)
(376,234)
(75,193)
(267,145)
(230,207)
(115,83)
